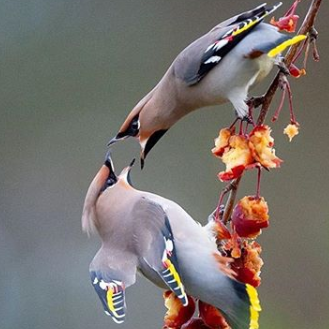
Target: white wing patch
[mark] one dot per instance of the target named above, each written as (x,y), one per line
(168,249)
(220,44)
(213,59)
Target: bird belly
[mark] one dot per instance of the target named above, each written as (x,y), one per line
(265,66)
(234,74)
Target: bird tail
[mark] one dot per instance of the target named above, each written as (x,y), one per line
(238,301)
(211,280)
(274,48)
(250,14)
(279,48)
(244,312)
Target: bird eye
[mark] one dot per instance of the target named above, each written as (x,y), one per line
(135,124)
(110,182)
(133,129)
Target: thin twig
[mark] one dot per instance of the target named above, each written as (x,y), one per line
(231,199)
(305,28)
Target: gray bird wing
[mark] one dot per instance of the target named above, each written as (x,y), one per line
(198,59)
(111,292)
(111,271)
(241,17)
(155,244)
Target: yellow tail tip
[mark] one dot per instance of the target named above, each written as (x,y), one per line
(255,307)
(281,47)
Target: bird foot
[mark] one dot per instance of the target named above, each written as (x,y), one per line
(282,66)
(249,119)
(254,102)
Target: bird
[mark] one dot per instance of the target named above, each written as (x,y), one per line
(146,233)
(219,67)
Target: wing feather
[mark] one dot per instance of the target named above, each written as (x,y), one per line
(156,244)
(228,37)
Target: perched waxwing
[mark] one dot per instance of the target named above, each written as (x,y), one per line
(219,67)
(144,232)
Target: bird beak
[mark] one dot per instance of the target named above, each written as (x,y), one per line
(142,154)
(148,143)
(132,163)
(125,173)
(142,159)
(113,141)
(109,163)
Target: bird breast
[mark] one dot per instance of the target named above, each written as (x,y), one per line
(265,66)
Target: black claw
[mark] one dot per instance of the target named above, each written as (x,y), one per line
(248,119)
(313,33)
(255,102)
(283,68)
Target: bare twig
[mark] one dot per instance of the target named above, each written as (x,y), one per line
(231,199)
(306,27)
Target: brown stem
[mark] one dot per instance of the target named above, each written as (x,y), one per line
(231,199)
(225,190)
(305,28)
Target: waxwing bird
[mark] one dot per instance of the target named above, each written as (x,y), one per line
(218,67)
(144,232)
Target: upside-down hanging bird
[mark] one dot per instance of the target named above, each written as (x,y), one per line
(144,232)
(218,67)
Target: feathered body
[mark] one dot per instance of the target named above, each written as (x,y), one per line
(220,66)
(144,232)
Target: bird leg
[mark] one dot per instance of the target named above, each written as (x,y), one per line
(282,66)
(248,119)
(253,102)
(241,127)
(234,122)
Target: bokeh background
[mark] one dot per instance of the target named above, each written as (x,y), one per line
(70,72)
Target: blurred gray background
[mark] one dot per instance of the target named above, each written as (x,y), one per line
(70,72)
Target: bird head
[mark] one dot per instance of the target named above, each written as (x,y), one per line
(142,124)
(147,139)
(111,179)
(104,179)
(130,128)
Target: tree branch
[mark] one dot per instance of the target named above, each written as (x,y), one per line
(306,27)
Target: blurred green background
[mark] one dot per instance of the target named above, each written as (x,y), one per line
(70,72)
